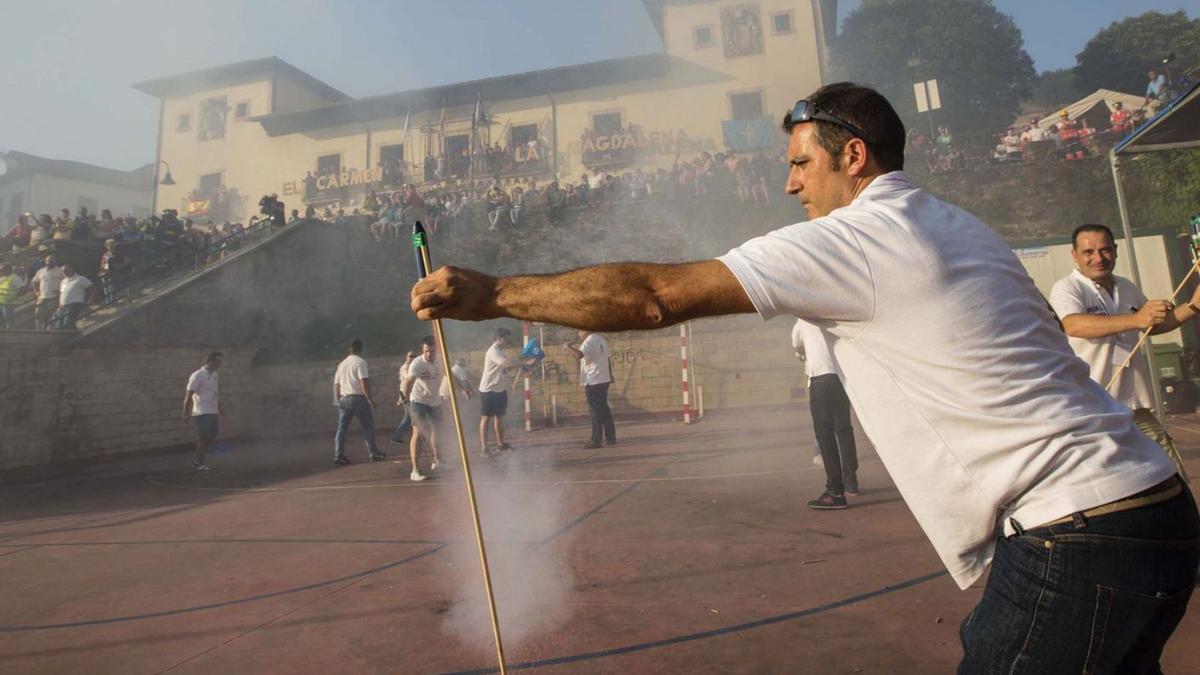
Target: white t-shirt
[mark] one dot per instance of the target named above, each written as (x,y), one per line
(49,281)
(204,383)
(430,382)
(494,363)
(961,377)
(74,290)
(1077,294)
(817,359)
(350,374)
(593,367)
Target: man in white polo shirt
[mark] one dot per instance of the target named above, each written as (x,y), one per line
(1005,451)
(352,393)
(1104,315)
(493,393)
(46,283)
(75,291)
(202,406)
(595,375)
(830,410)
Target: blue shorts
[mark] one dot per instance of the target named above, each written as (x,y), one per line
(206,427)
(424,416)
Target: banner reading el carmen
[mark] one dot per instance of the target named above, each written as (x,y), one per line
(334,181)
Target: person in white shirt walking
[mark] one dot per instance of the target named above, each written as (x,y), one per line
(1005,451)
(202,407)
(424,389)
(352,391)
(46,283)
(75,292)
(595,375)
(830,410)
(1104,314)
(493,392)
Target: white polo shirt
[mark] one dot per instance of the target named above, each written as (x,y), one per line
(960,375)
(207,398)
(430,384)
(1077,294)
(494,363)
(593,367)
(49,282)
(817,358)
(350,374)
(74,290)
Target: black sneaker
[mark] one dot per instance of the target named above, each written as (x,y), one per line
(592,445)
(504,446)
(342,461)
(378,456)
(828,502)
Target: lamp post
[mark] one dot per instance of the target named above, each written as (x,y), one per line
(166,180)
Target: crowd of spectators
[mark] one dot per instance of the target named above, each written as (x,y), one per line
(130,249)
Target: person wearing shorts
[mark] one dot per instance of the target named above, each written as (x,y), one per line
(424,388)
(493,396)
(201,405)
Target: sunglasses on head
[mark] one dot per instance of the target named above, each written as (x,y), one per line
(807,111)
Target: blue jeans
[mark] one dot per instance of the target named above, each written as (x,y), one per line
(1096,595)
(404,428)
(67,315)
(350,407)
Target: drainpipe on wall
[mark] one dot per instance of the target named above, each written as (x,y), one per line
(162,110)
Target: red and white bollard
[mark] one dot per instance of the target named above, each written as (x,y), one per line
(528,391)
(683,358)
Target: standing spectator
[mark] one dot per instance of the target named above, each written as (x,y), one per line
(18,236)
(830,408)
(1120,120)
(75,292)
(41,230)
(63,226)
(1103,313)
(113,267)
(493,394)
(404,428)
(11,287)
(352,391)
(46,283)
(202,404)
(423,389)
(595,374)
(83,226)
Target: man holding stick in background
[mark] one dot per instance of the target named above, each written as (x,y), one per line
(1003,448)
(1103,313)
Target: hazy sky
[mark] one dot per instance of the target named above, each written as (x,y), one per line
(70,63)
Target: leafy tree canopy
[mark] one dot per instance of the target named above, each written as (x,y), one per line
(975,53)
(1119,56)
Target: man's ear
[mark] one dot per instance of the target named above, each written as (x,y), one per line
(856,157)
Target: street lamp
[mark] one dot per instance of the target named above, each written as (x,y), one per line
(166,180)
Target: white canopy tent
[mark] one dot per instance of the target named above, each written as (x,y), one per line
(1101,101)
(1175,127)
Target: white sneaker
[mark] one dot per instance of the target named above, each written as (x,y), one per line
(202,468)
(818,461)
(434,466)
(416,476)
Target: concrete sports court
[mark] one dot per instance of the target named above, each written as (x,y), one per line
(682,549)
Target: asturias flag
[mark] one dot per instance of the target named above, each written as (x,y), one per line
(750,134)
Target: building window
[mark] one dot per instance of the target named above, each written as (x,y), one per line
(242,111)
(329,164)
(184,123)
(391,160)
(702,37)
(210,183)
(607,123)
(521,134)
(781,23)
(747,105)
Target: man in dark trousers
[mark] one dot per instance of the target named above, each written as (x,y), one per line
(831,417)
(595,374)
(352,392)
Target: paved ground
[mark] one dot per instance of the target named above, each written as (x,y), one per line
(681,549)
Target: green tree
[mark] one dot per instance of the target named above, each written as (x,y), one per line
(975,53)
(1119,56)
(1056,88)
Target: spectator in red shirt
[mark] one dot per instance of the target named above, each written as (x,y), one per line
(1121,122)
(18,236)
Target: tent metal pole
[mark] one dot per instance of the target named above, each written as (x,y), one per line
(1148,347)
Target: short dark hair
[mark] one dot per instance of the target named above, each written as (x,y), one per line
(1091,227)
(864,108)
(356,347)
(503,333)
(213,356)
(427,340)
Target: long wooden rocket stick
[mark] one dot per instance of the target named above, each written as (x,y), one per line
(421,249)
(1146,333)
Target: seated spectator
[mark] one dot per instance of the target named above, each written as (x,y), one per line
(18,236)
(499,205)
(1156,92)
(114,268)
(518,205)
(75,292)
(1121,120)
(294,217)
(1012,145)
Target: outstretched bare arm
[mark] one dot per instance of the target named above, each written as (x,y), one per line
(624,296)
